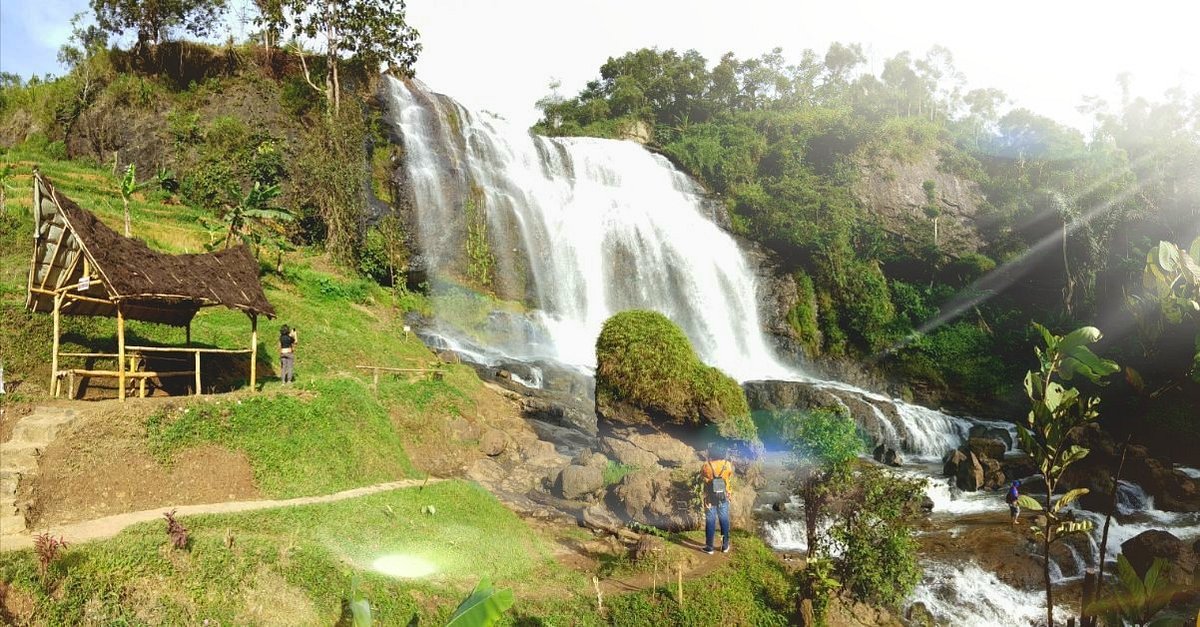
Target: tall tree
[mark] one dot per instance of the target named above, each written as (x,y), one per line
(375,31)
(154,20)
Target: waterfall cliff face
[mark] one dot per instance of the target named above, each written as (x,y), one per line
(577,229)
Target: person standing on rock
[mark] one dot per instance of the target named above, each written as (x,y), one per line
(1011,498)
(287,354)
(718,474)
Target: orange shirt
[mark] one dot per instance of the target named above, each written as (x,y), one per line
(719,468)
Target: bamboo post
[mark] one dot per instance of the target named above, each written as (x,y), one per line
(120,353)
(375,380)
(253,349)
(197,373)
(188,332)
(679,580)
(54,348)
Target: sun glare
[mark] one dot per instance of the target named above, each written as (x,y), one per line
(404,566)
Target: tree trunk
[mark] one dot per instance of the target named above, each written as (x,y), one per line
(331,59)
(1112,506)
(1046,574)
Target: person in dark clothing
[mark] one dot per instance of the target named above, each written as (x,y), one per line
(287,354)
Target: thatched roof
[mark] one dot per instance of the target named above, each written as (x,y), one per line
(151,286)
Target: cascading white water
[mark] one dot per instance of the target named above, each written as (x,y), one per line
(598,226)
(601,226)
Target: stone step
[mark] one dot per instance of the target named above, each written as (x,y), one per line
(12,523)
(8,485)
(43,429)
(20,456)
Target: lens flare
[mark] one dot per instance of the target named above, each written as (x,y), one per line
(403,566)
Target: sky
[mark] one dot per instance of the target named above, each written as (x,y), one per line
(501,55)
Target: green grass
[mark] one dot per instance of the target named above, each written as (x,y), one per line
(297,562)
(331,436)
(615,471)
(752,589)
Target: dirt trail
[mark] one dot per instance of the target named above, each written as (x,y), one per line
(110,526)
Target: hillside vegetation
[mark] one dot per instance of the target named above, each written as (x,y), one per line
(1061,233)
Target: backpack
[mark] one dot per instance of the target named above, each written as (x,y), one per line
(717,487)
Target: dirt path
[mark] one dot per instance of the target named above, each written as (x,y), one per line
(110,526)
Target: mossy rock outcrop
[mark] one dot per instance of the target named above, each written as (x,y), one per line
(648,373)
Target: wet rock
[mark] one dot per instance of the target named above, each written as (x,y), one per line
(559,413)
(987,448)
(1142,549)
(493,442)
(1019,467)
(575,482)
(991,433)
(892,458)
(993,475)
(787,395)
(449,357)
(918,615)
(952,461)
(877,454)
(567,440)
(970,475)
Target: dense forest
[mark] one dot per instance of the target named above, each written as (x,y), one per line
(1062,233)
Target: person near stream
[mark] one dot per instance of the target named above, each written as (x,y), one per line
(1014,493)
(287,354)
(718,474)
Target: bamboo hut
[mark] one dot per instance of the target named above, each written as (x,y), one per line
(81,267)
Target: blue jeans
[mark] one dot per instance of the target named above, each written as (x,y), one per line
(711,514)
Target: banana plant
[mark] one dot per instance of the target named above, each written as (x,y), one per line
(1056,411)
(483,608)
(360,607)
(1140,599)
(1172,278)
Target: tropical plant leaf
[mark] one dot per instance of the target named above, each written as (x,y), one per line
(1069,497)
(360,611)
(1080,337)
(483,608)
(1029,503)
(1074,526)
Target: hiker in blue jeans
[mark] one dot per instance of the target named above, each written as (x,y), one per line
(718,474)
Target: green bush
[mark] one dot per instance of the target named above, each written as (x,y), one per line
(802,317)
(644,359)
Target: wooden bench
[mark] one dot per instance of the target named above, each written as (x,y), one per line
(434,373)
(137,359)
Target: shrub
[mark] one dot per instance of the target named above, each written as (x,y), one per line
(48,549)
(176,531)
(802,317)
(644,359)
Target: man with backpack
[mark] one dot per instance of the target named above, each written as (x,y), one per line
(717,473)
(1011,499)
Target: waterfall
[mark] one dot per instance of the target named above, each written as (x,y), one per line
(578,229)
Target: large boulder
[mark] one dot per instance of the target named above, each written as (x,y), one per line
(626,452)
(993,433)
(969,476)
(576,482)
(993,474)
(987,448)
(648,374)
(1142,549)
(670,451)
(650,497)
(952,460)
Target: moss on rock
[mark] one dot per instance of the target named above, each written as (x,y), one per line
(645,362)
